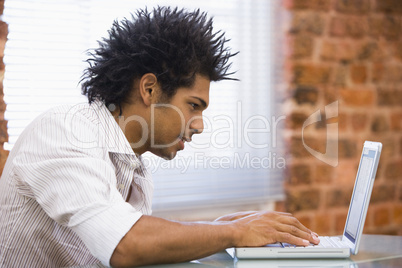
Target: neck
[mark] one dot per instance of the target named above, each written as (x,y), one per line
(135,126)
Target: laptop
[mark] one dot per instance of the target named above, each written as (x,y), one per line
(330,247)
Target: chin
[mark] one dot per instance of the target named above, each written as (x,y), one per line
(167,155)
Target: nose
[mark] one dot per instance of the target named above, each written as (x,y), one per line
(197,125)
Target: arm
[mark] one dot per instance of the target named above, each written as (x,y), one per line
(154,240)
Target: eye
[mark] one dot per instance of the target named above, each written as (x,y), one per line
(194,105)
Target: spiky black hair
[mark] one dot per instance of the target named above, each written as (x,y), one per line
(173,44)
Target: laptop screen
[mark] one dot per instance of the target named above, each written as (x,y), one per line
(360,193)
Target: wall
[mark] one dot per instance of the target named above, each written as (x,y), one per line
(348,51)
(3,123)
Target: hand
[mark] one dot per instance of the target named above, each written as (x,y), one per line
(235,216)
(261,228)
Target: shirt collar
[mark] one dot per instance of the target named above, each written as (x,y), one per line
(116,141)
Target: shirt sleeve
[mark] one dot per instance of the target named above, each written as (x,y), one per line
(75,185)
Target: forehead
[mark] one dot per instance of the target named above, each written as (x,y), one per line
(198,91)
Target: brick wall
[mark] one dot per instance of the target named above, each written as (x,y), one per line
(348,51)
(3,123)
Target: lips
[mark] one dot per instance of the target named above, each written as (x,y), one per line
(185,139)
(182,140)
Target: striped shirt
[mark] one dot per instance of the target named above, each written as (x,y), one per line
(71,189)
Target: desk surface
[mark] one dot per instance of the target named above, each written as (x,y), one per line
(375,251)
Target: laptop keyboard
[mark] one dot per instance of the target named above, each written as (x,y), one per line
(325,242)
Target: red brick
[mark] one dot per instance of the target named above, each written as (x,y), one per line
(323,222)
(280,206)
(346,173)
(400,150)
(310,74)
(3,105)
(338,197)
(306,220)
(3,158)
(397,215)
(358,73)
(340,220)
(353,6)
(324,174)
(3,131)
(347,51)
(349,26)
(391,27)
(347,148)
(316,144)
(306,95)
(357,27)
(369,218)
(377,72)
(3,30)
(331,94)
(398,50)
(389,6)
(393,171)
(302,200)
(391,74)
(3,37)
(299,174)
(296,120)
(388,149)
(341,75)
(1,7)
(384,26)
(310,22)
(379,124)
(297,148)
(359,121)
(381,216)
(308,4)
(388,97)
(375,26)
(396,121)
(302,45)
(357,98)
(383,193)
(343,119)
(328,50)
(338,27)
(371,51)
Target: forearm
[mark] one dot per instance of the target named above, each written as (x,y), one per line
(154,240)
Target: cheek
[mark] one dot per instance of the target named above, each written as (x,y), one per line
(173,121)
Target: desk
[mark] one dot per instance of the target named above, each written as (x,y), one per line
(374,251)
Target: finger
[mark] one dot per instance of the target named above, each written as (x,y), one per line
(290,220)
(294,227)
(293,230)
(291,239)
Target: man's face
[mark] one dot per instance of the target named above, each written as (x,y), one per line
(173,123)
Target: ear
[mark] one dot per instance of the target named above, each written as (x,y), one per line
(149,88)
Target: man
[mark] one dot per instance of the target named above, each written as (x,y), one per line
(74,190)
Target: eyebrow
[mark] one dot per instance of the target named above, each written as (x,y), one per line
(203,103)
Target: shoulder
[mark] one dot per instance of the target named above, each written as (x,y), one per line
(75,126)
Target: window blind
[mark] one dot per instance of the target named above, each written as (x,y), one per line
(236,160)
